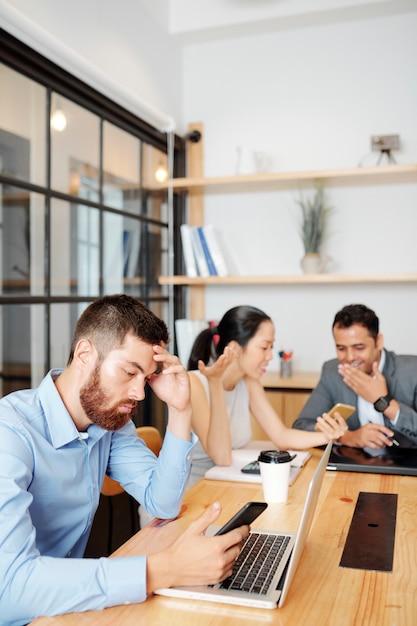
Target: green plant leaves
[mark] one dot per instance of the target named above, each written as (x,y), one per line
(314,215)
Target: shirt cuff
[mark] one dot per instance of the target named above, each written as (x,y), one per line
(395,420)
(126,580)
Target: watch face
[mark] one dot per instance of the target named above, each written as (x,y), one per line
(382,403)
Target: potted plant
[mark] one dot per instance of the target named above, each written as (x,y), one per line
(313,229)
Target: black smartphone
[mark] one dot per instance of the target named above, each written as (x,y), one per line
(245,516)
(251,468)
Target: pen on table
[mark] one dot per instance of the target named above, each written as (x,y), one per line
(394,441)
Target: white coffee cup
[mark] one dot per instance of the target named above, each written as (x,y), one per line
(275,473)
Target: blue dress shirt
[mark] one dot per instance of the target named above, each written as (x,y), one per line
(50,480)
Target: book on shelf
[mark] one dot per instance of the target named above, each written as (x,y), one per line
(188,251)
(202,251)
(200,256)
(209,259)
(215,250)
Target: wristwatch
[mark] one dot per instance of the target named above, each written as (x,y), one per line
(382,403)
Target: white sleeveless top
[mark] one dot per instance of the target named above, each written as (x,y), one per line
(237,404)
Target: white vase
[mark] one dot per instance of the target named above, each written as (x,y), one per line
(245,161)
(312,263)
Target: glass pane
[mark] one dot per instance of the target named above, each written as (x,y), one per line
(121,243)
(154,167)
(155,205)
(22,242)
(121,166)
(79,141)
(75,249)
(147,263)
(154,172)
(63,318)
(22,346)
(22,132)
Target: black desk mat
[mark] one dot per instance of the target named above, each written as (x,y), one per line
(371,537)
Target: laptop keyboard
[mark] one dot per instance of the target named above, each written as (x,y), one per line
(257,563)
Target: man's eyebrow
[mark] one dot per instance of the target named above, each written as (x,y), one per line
(137,365)
(157,369)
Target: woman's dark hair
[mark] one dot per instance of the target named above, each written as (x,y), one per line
(357,314)
(238,324)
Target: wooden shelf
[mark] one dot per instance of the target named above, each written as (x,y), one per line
(376,175)
(196,186)
(304,279)
(304,381)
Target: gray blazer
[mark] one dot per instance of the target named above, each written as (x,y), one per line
(401,375)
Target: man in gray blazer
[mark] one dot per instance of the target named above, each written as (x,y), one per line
(380,384)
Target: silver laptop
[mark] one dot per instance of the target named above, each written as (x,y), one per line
(265,568)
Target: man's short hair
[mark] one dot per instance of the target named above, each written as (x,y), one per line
(357,314)
(107,321)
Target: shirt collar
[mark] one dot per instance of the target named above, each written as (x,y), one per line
(382,360)
(61,426)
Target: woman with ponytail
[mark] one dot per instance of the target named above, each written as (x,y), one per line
(225,366)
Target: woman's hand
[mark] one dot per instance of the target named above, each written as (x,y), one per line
(215,372)
(331,427)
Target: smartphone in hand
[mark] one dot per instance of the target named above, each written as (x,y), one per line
(345,411)
(245,516)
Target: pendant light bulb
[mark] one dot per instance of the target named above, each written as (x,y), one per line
(58,120)
(161,173)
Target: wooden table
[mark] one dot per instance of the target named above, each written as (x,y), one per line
(322,593)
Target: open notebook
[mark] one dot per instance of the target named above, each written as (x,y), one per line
(258,587)
(249,453)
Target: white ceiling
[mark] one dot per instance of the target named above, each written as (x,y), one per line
(204,20)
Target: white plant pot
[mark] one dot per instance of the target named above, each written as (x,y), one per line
(312,264)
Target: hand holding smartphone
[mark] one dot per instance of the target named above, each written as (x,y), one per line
(244,517)
(345,410)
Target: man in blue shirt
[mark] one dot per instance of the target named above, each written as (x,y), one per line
(56,444)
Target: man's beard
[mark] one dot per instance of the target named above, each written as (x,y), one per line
(96,404)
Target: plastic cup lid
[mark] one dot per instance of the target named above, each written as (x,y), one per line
(275,456)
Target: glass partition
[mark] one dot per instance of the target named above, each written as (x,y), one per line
(122,169)
(74,249)
(22,127)
(78,141)
(22,242)
(81,208)
(23,355)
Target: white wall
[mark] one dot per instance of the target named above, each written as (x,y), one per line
(310,98)
(122,40)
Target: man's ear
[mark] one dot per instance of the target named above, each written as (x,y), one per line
(84,353)
(379,341)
